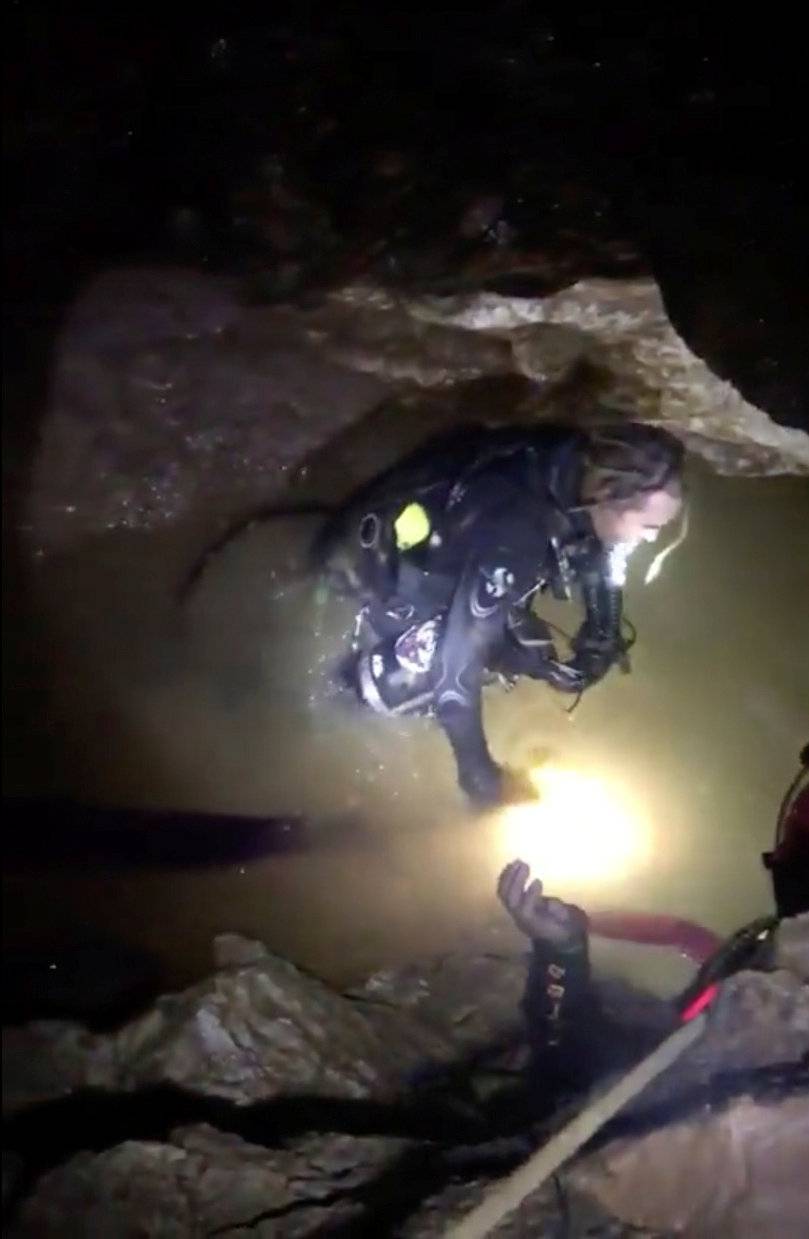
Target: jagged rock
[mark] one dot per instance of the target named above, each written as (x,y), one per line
(167,392)
(155,404)
(235,951)
(733,1166)
(735,1170)
(401,351)
(645,369)
(792,946)
(473,1000)
(739,1173)
(204,1182)
(707,1149)
(472,997)
(758,1019)
(254,1032)
(258,1028)
(50,1058)
(558,1209)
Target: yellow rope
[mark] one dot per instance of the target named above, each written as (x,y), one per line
(508,1195)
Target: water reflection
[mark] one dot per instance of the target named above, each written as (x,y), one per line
(231,708)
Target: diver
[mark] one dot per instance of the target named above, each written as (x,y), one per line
(447,552)
(572,1040)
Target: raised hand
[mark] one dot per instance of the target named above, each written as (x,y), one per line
(534,914)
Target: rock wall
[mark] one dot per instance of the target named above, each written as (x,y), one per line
(169,396)
(715,1146)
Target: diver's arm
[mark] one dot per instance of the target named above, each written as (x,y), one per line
(488,587)
(530,651)
(564,1021)
(598,644)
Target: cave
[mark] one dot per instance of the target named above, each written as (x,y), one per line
(252,261)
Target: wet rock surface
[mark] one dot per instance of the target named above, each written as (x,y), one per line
(567,170)
(156,403)
(169,393)
(498,148)
(714,1146)
(637,364)
(736,1173)
(259,1031)
(207,1183)
(726,267)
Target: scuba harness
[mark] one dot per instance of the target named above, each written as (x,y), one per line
(395,678)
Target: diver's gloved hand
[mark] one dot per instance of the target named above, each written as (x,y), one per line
(594,656)
(516,787)
(564,677)
(538,917)
(489,785)
(483,783)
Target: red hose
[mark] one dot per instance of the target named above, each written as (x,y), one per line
(694,941)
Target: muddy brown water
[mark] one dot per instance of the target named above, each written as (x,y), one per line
(227,705)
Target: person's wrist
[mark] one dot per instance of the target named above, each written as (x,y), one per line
(574,942)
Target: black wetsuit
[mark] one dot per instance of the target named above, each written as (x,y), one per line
(502,512)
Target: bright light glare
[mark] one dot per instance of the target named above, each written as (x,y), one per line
(579,830)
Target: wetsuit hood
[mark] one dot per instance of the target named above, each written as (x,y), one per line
(564,483)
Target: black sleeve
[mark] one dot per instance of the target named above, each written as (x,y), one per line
(598,644)
(498,530)
(566,1028)
(493,578)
